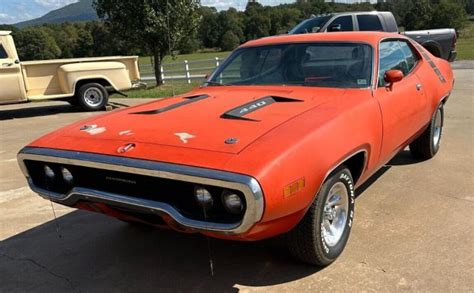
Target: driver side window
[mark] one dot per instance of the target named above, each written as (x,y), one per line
(391,57)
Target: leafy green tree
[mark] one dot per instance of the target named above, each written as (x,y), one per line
(36,44)
(209,31)
(448,14)
(419,15)
(229,41)
(158,26)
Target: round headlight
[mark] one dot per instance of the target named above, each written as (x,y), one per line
(48,172)
(203,196)
(232,202)
(67,176)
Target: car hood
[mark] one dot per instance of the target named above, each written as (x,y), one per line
(222,119)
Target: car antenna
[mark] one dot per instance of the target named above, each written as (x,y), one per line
(58,229)
(169,42)
(208,240)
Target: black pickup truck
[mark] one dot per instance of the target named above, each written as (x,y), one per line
(440,42)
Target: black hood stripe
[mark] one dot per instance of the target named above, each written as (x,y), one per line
(241,111)
(188,100)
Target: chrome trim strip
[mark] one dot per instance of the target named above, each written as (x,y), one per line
(248,185)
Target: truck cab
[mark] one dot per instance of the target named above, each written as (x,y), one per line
(12,87)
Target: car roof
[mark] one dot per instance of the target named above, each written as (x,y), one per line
(371,38)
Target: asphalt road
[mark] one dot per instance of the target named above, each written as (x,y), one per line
(413,231)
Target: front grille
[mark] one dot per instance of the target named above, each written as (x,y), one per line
(178,194)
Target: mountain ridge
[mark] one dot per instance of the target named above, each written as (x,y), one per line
(74,12)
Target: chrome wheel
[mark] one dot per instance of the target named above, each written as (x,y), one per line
(437,128)
(335,214)
(93,97)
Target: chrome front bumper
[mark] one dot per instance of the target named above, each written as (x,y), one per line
(246,184)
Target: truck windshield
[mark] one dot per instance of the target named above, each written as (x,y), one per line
(312,25)
(322,64)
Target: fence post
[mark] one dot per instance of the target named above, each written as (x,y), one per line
(162,74)
(186,68)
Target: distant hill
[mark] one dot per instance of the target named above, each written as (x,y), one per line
(79,11)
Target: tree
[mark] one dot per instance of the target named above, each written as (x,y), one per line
(448,14)
(158,26)
(36,44)
(419,15)
(229,41)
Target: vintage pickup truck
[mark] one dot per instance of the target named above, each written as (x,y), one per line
(85,82)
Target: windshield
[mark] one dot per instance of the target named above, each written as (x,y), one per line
(340,65)
(312,25)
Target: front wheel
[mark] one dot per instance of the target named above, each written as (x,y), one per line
(92,97)
(427,144)
(322,234)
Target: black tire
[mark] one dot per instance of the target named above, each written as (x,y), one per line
(306,241)
(92,97)
(427,144)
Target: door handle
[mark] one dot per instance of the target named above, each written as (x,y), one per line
(7,64)
(418,87)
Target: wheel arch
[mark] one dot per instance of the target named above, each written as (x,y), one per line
(105,82)
(355,161)
(433,47)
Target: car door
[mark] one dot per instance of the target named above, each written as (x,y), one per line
(11,80)
(402,103)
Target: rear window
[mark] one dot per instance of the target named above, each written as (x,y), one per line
(369,23)
(3,53)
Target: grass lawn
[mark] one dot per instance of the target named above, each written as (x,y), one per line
(165,90)
(465,43)
(465,49)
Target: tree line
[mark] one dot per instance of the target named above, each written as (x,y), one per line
(162,27)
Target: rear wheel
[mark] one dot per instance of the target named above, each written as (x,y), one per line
(427,144)
(322,234)
(92,97)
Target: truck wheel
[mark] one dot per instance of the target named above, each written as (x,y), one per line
(322,234)
(427,144)
(92,97)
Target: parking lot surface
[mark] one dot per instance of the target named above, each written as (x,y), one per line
(413,230)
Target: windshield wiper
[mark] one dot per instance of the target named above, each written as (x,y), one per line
(214,83)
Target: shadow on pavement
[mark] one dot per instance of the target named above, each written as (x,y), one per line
(97,253)
(28,112)
(20,111)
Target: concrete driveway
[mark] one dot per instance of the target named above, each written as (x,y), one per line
(414,228)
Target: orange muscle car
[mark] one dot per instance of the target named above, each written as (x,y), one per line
(274,142)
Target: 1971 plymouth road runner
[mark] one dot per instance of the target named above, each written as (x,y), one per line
(274,142)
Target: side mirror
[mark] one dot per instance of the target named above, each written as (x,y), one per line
(334,28)
(392,76)
(17,61)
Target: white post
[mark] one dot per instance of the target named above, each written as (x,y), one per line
(217,61)
(186,68)
(162,74)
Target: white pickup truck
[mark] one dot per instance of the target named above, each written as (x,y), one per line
(85,82)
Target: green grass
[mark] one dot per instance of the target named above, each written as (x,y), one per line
(166,90)
(465,49)
(465,43)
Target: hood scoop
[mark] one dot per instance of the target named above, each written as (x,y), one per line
(241,111)
(186,101)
